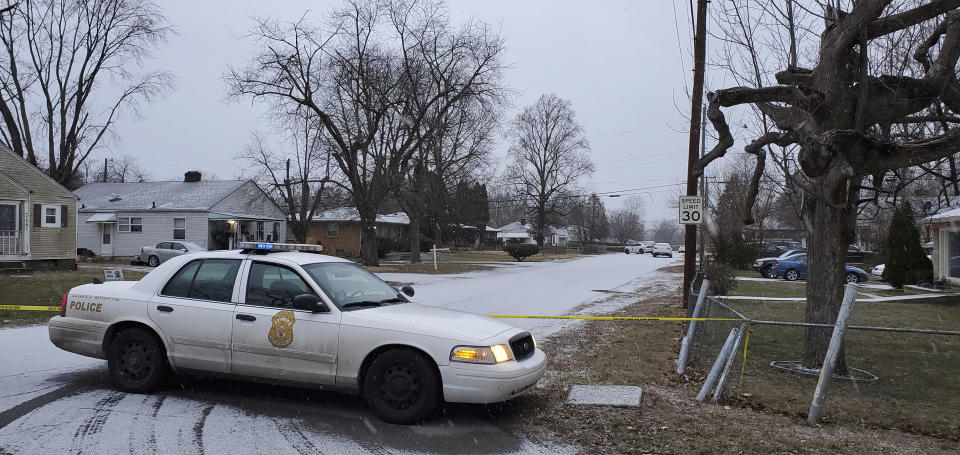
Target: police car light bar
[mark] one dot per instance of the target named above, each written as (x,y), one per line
(262,247)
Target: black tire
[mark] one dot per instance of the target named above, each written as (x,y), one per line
(137,360)
(626,251)
(402,386)
(852,278)
(153,261)
(791,275)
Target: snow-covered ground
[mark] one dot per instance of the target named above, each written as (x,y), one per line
(52,401)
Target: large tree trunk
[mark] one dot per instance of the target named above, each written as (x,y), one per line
(368,236)
(299,230)
(828,236)
(414,237)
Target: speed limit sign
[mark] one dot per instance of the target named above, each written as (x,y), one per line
(691,209)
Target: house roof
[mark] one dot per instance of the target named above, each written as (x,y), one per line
(168,196)
(947,215)
(37,170)
(350,214)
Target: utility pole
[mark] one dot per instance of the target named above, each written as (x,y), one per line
(696,112)
(706,194)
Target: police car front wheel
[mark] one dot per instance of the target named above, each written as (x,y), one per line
(136,360)
(402,386)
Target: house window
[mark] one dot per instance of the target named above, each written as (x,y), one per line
(276,231)
(333,229)
(953,245)
(259,231)
(130,224)
(51,216)
(179,228)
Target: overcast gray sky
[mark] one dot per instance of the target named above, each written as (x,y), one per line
(618,62)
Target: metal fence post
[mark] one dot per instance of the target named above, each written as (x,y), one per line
(718,364)
(691,328)
(731,357)
(829,363)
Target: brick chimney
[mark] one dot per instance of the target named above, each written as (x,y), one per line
(192,176)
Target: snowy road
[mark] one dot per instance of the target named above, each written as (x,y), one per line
(52,401)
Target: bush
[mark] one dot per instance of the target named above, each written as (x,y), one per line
(722,279)
(521,251)
(906,261)
(385,246)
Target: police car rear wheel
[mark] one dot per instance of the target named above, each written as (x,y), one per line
(402,386)
(136,360)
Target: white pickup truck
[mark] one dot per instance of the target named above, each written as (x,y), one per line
(296,317)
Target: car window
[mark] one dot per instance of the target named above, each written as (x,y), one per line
(274,285)
(346,283)
(208,279)
(163,246)
(177,246)
(802,258)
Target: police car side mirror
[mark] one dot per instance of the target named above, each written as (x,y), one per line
(309,302)
(407,290)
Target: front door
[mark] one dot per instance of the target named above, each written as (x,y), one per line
(194,310)
(10,228)
(273,340)
(106,239)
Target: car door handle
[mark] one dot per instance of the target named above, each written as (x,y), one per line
(164,308)
(246,317)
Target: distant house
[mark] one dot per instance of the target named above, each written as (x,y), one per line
(38,217)
(522,232)
(117,219)
(338,230)
(946,245)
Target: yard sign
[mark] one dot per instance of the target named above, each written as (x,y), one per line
(113,274)
(691,209)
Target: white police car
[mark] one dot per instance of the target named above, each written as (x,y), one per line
(275,313)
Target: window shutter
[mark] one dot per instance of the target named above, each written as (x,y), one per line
(37,213)
(63,216)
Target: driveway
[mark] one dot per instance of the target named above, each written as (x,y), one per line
(52,401)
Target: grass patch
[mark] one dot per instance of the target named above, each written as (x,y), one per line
(669,421)
(916,391)
(770,288)
(43,288)
(442,268)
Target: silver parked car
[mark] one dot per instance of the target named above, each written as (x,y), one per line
(159,253)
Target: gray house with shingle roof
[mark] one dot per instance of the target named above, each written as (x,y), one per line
(117,219)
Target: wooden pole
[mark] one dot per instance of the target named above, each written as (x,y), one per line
(696,109)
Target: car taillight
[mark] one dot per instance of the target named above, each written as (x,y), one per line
(776,263)
(63,306)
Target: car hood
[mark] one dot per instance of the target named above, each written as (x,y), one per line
(427,320)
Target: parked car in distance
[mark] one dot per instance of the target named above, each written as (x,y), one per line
(647,246)
(794,268)
(857,255)
(763,265)
(878,270)
(681,249)
(638,249)
(766,249)
(161,252)
(662,249)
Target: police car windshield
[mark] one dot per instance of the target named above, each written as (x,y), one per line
(347,283)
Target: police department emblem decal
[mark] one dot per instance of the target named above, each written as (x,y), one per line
(281,332)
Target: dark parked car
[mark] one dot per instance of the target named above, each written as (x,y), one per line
(766,249)
(794,268)
(855,254)
(763,265)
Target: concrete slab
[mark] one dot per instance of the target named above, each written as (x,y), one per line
(605,395)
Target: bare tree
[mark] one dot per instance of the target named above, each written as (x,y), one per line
(624,225)
(667,231)
(548,157)
(117,169)
(374,81)
(297,179)
(68,69)
(845,121)
(588,217)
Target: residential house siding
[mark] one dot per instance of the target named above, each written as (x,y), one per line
(28,188)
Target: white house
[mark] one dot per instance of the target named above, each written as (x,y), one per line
(946,245)
(520,231)
(117,219)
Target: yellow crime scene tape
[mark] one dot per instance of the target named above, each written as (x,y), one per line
(29,308)
(607,318)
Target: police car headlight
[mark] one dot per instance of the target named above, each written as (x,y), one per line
(481,354)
